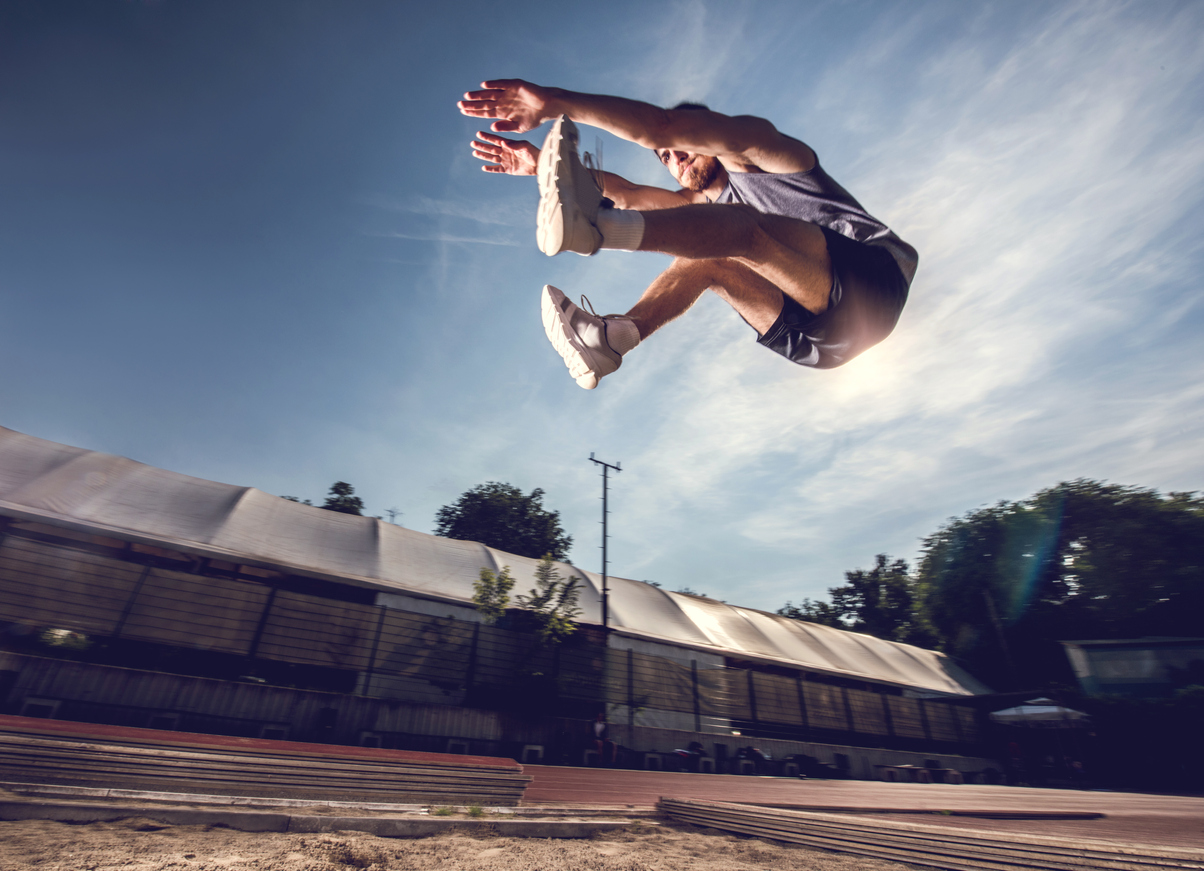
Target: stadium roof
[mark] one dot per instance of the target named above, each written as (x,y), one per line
(108,495)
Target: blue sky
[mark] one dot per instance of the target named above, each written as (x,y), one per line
(247,241)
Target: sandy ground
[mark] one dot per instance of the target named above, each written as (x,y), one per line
(141,844)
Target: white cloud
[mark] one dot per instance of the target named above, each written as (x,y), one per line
(1040,170)
(1037,186)
(451,238)
(480,210)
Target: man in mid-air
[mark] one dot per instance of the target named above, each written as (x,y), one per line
(757,221)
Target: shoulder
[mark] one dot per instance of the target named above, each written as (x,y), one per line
(765,149)
(742,143)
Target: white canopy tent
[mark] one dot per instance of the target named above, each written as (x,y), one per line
(1040,713)
(103,494)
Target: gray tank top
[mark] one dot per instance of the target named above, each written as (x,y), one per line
(814,197)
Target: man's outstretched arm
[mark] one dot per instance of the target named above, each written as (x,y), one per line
(517,157)
(742,142)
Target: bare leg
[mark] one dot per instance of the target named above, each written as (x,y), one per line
(753,261)
(790,254)
(675,290)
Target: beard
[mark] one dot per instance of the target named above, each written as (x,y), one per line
(700,174)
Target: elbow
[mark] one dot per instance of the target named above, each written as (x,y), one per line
(659,130)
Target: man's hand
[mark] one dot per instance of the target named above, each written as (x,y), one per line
(519,106)
(513,157)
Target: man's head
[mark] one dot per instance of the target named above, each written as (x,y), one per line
(693,171)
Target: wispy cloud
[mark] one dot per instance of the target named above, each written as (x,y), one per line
(1047,170)
(1037,183)
(450,238)
(481,210)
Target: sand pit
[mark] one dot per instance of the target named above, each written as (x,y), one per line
(142,844)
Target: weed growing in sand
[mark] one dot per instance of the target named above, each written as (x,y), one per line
(443,811)
(475,810)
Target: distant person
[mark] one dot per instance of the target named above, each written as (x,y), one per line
(606,748)
(756,220)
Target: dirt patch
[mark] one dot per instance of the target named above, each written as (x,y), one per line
(143,844)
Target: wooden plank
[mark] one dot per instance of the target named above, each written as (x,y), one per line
(930,846)
(168,768)
(244,767)
(261,746)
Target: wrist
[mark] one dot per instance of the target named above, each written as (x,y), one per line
(556,103)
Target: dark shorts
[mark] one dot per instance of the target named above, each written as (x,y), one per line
(868,293)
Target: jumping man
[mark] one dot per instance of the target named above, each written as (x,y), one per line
(756,220)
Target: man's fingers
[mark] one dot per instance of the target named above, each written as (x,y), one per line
(476,96)
(478,108)
(502,147)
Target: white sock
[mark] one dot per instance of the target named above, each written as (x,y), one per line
(621,228)
(621,333)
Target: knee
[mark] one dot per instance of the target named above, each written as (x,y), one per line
(688,267)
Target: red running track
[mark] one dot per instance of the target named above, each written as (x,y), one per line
(1128,817)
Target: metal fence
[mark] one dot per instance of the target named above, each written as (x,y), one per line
(107,601)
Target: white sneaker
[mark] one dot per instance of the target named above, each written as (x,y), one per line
(580,337)
(568,195)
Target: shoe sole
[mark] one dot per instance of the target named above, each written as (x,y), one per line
(549,226)
(557,190)
(563,337)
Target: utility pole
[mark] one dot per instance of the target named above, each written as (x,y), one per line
(606,467)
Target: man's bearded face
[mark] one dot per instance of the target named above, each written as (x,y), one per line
(694,172)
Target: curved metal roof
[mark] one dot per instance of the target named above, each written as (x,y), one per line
(110,495)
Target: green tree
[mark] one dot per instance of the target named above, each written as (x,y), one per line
(877,602)
(342,498)
(816,611)
(500,516)
(552,602)
(491,593)
(1001,586)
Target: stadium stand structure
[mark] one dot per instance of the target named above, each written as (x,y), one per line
(131,595)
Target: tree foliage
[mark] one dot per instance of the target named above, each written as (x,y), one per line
(553,602)
(1083,560)
(491,593)
(877,602)
(342,498)
(500,516)
(814,611)
(999,587)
